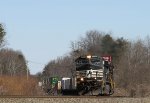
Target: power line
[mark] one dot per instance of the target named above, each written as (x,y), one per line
(33,62)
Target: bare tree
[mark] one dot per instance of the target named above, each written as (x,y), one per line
(88,44)
(2,35)
(62,67)
(147,43)
(12,62)
(133,69)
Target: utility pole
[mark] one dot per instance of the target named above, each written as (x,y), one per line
(27,73)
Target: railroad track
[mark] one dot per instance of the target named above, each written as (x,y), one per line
(19,96)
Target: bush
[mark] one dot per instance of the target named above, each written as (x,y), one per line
(16,85)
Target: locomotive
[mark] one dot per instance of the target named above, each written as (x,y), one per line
(94,75)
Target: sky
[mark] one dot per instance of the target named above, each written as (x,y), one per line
(43,29)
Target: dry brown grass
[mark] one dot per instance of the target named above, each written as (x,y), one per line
(16,85)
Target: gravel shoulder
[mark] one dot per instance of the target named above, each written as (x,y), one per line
(74,100)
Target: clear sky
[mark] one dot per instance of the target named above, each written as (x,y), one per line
(43,29)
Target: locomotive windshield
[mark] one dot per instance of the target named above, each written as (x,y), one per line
(95,61)
(84,63)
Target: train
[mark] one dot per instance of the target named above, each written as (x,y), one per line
(93,76)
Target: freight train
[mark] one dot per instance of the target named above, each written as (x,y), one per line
(93,76)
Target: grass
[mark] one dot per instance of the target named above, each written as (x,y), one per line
(18,85)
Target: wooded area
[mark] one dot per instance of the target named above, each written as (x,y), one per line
(130,58)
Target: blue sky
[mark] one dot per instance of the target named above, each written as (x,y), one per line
(43,29)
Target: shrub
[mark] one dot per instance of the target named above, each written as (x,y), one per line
(16,85)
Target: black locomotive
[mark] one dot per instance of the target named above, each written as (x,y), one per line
(94,75)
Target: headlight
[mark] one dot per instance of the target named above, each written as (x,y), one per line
(82,79)
(89,56)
